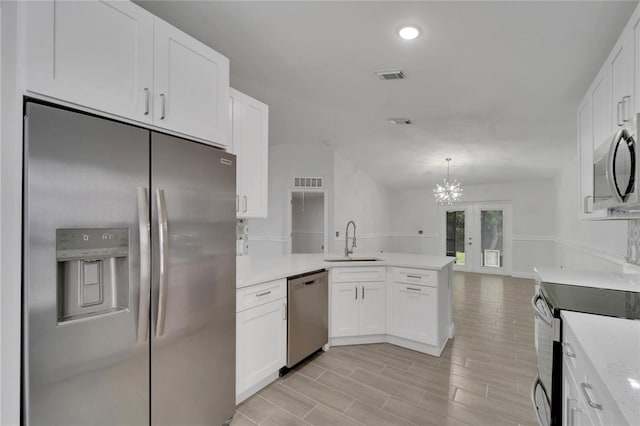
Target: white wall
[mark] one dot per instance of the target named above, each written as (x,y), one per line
(533,228)
(360,198)
(286,161)
(598,245)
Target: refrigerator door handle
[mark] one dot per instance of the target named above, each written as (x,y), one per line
(163,243)
(145,264)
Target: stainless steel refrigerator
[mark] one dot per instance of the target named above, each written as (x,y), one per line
(128,275)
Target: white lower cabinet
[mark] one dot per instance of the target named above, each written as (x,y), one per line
(261,343)
(574,409)
(414,312)
(359,309)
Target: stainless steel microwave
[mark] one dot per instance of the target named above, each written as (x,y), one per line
(615,170)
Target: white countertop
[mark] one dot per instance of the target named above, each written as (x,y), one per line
(613,347)
(252,270)
(598,279)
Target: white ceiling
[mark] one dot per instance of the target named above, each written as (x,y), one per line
(494,85)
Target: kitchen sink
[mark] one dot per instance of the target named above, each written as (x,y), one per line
(353,259)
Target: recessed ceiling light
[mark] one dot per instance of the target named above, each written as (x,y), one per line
(408,32)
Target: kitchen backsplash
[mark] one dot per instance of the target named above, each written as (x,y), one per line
(633,242)
(242,237)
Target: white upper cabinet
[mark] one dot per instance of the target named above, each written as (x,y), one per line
(95,53)
(249,131)
(117,58)
(191,85)
(610,103)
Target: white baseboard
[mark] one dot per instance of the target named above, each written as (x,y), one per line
(416,346)
(257,387)
(358,340)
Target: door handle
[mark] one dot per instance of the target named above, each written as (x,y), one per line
(538,383)
(145,264)
(624,109)
(164,102)
(164,246)
(539,314)
(356,289)
(618,108)
(146,101)
(244,203)
(588,204)
(362,292)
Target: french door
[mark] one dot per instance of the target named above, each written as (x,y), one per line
(478,235)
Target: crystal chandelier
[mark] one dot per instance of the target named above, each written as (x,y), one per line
(449,192)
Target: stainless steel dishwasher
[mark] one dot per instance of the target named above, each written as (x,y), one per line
(307,314)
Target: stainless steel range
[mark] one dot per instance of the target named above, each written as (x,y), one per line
(619,299)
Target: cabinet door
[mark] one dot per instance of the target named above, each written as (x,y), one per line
(585,150)
(235,141)
(254,157)
(601,104)
(345,304)
(621,81)
(414,311)
(191,85)
(98,54)
(373,308)
(261,341)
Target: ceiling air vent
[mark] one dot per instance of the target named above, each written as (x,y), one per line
(399,121)
(307,182)
(390,75)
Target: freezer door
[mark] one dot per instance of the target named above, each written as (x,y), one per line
(83,363)
(193,290)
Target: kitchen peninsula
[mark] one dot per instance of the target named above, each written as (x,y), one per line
(401,299)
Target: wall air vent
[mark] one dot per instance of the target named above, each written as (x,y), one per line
(399,121)
(390,75)
(308,182)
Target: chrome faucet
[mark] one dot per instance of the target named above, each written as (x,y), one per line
(347,252)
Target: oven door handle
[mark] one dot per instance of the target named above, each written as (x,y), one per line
(537,382)
(537,312)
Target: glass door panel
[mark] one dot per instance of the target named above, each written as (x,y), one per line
(457,236)
(491,238)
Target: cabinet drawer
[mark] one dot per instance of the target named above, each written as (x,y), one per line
(415,276)
(358,274)
(260,294)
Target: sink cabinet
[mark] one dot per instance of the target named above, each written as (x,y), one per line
(408,307)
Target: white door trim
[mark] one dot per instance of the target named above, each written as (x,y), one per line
(472,209)
(289,227)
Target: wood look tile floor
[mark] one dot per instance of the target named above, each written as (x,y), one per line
(482,378)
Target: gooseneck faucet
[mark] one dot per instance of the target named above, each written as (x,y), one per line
(347,252)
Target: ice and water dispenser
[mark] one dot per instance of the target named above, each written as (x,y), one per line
(93,271)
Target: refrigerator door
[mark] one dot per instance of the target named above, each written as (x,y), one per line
(193,290)
(85,180)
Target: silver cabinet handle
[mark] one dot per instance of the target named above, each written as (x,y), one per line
(164,245)
(618,108)
(244,203)
(356,289)
(284,311)
(584,387)
(417,277)
(145,264)
(624,109)
(537,312)
(162,114)
(263,294)
(146,101)
(237,203)
(588,204)
(568,350)
(362,292)
(572,416)
(414,289)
